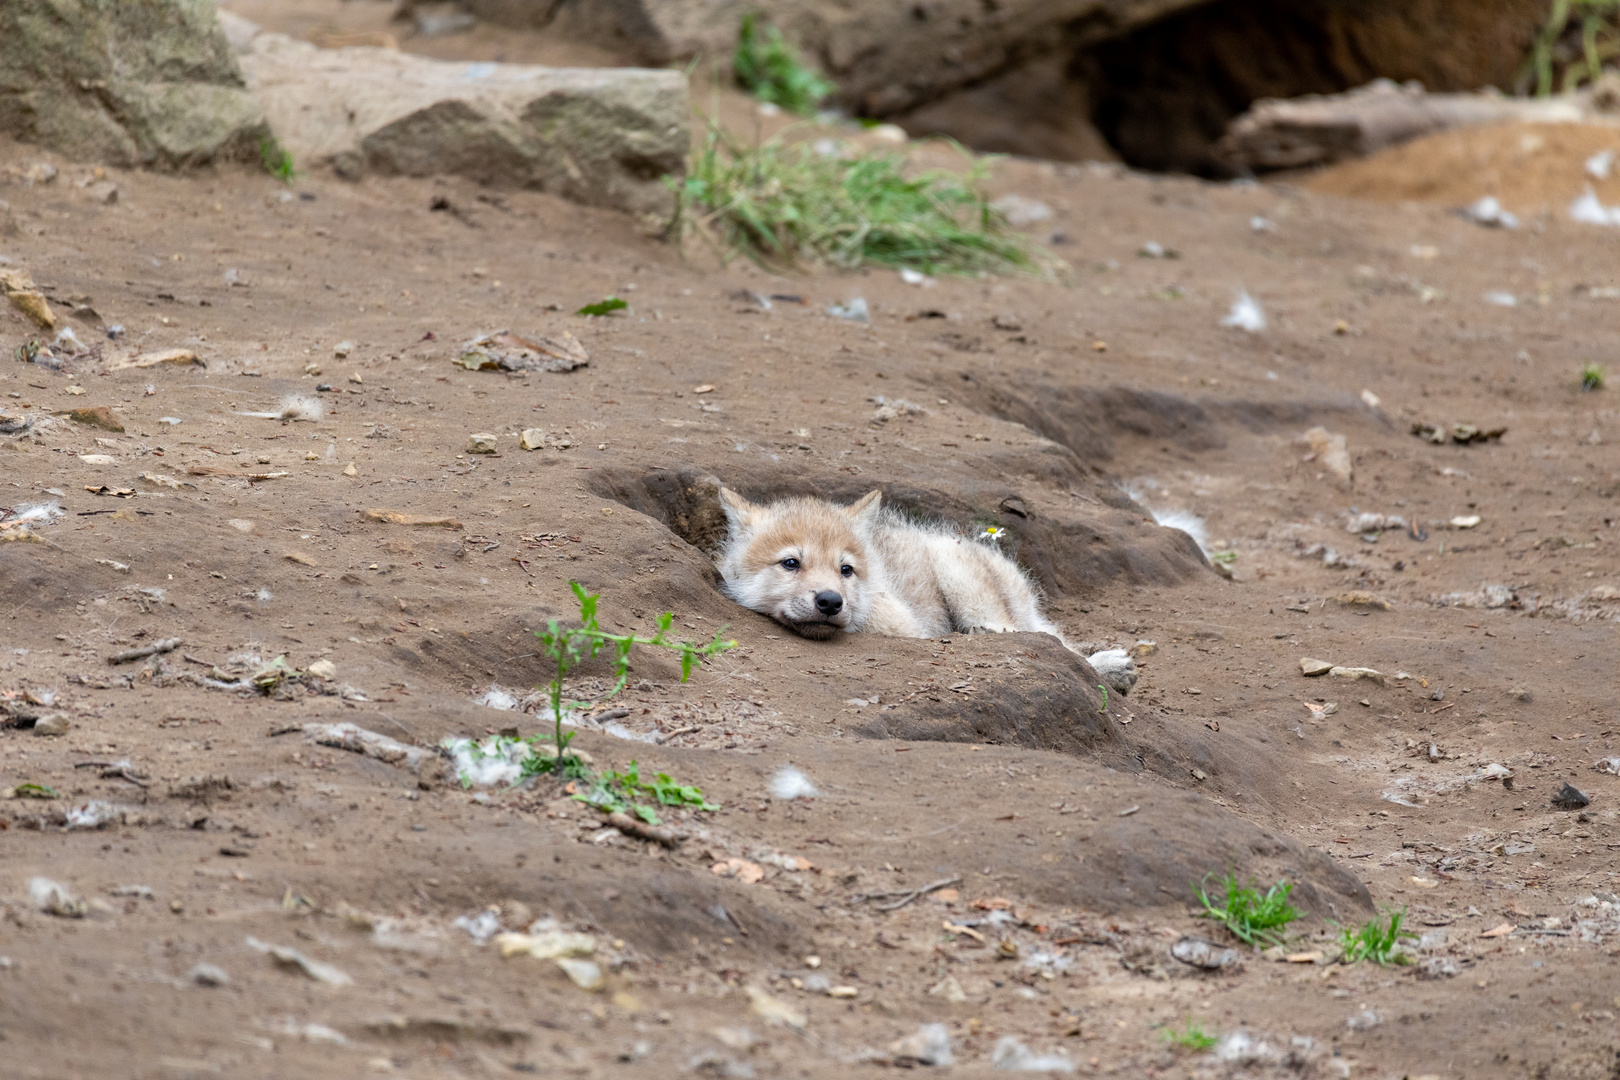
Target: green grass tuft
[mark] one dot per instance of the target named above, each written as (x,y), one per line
(767,67)
(1578,38)
(1378,941)
(780,203)
(603,307)
(1191,1037)
(1253,918)
(276,160)
(1591,377)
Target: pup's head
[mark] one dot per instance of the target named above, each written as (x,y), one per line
(800,561)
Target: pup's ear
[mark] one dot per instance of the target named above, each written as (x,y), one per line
(739,511)
(866,508)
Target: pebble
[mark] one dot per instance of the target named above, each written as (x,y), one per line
(481,443)
(1357,673)
(1203,954)
(208,975)
(585,973)
(532,438)
(342,349)
(53,724)
(1309,666)
(323,669)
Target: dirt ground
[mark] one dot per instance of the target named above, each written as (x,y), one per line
(195,821)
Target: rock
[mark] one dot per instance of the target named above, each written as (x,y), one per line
(1203,954)
(1357,673)
(506,351)
(323,669)
(99,417)
(53,724)
(1363,598)
(19,289)
(481,443)
(532,438)
(885,57)
(585,974)
(1115,668)
(1310,667)
(930,1045)
(208,975)
(1320,129)
(1569,797)
(604,137)
(128,84)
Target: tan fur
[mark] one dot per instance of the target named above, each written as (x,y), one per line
(904,579)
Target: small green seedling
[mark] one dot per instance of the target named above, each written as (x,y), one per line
(276,160)
(767,67)
(1227,557)
(1191,1037)
(1591,377)
(603,307)
(621,793)
(1378,941)
(1104,690)
(34,791)
(569,646)
(1253,918)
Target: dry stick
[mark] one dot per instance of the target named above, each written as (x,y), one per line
(142,653)
(905,896)
(677,734)
(629,825)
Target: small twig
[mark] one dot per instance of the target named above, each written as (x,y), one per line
(905,896)
(631,827)
(193,660)
(142,653)
(664,738)
(114,770)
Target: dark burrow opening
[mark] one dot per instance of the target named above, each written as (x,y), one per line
(1161,97)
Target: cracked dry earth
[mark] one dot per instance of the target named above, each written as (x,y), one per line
(251,901)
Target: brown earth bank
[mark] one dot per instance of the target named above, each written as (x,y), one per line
(1070,828)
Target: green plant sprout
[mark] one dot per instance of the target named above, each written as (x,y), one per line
(1253,918)
(781,202)
(1378,941)
(603,307)
(1591,377)
(568,647)
(621,793)
(767,67)
(1580,35)
(1190,1037)
(276,160)
(1104,690)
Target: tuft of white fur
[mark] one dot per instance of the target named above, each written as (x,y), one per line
(1245,314)
(790,783)
(300,407)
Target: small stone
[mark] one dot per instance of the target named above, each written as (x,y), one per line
(532,438)
(1569,796)
(1522,694)
(323,669)
(53,724)
(1311,667)
(342,349)
(481,443)
(1465,521)
(350,470)
(106,192)
(585,974)
(1203,954)
(1357,673)
(208,975)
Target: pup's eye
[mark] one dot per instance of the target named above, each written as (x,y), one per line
(847,570)
(790,564)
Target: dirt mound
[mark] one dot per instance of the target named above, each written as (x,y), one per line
(1532,168)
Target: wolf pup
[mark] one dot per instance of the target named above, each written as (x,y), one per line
(818,568)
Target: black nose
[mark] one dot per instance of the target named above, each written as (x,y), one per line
(828,602)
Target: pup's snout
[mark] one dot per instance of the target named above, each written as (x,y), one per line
(829,603)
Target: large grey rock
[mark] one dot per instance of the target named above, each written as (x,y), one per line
(887,56)
(125,82)
(604,137)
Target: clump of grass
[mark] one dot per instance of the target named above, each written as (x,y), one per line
(1591,377)
(768,67)
(1378,941)
(1579,36)
(1190,1037)
(779,203)
(1252,917)
(276,159)
(624,792)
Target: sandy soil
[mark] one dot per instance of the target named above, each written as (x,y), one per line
(1077,827)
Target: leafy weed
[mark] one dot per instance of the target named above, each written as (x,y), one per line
(1252,917)
(603,307)
(276,160)
(1591,377)
(767,67)
(1191,1037)
(1378,941)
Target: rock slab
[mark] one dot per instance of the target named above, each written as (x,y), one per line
(125,82)
(603,137)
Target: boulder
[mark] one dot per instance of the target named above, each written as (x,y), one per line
(125,82)
(887,57)
(604,137)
